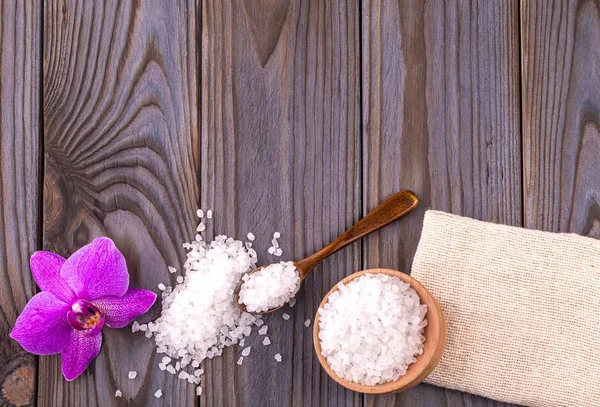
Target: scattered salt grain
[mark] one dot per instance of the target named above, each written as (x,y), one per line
(172,269)
(266,341)
(198,372)
(271,250)
(242,341)
(209,214)
(240,360)
(198,391)
(278,357)
(270,287)
(276,235)
(118,393)
(135,326)
(132,374)
(143,327)
(386,319)
(200,213)
(201,227)
(199,316)
(158,393)
(278,252)
(285,316)
(251,237)
(292,303)
(162,287)
(162,366)
(263,330)
(246,351)
(166,360)
(307,323)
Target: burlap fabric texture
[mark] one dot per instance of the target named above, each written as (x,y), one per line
(522,308)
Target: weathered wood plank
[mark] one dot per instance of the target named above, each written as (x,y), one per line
(561,115)
(441,117)
(122,157)
(281,151)
(20,69)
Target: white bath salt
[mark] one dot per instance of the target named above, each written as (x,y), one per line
(246,351)
(292,302)
(278,252)
(278,357)
(240,360)
(162,366)
(275,243)
(242,341)
(118,393)
(180,279)
(285,316)
(135,326)
(166,360)
(143,327)
(198,391)
(371,329)
(201,227)
(198,372)
(199,316)
(263,330)
(200,213)
(158,393)
(307,323)
(172,269)
(251,237)
(132,375)
(183,375)
(266,341)
(276,235)
(162,287)
(270,287)
(271,250)
(209,214)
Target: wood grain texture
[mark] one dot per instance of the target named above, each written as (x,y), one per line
(121,146)
(20,64)
(281,152)
(441,117)
(561,115)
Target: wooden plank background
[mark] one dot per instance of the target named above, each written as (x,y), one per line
(121,118)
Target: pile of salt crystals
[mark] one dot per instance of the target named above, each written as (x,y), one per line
(270,287)
(371,329)
(199,316)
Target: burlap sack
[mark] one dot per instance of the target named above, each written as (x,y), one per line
(522,307)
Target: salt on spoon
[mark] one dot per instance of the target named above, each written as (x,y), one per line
(385,213)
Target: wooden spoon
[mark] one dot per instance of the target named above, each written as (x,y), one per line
(388,211)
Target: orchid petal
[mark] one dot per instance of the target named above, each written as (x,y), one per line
(42,327)
(45,267)
(120,311)
(82,349)
(97,270)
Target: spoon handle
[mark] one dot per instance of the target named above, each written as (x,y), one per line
(385,213)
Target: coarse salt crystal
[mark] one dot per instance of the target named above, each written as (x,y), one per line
(278,357)
(198,391)
(307,323)
(143,327)
(242,341)
(270,287)
(266,341)
(292,302)
(263,330)
(209,214)
(132,374)
(246,351)
(251,236)
(118,393)
(201,227)
(135,326)
(180,279)
(162,366)
(276,235)
(158,394)
(240,360)
(271,250)
(278,252)
(183,375)
(200,213)
(285,316)
(162,287)
(171,369)
(372,307)
(172,269)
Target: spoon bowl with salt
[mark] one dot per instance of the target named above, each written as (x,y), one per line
(294,273)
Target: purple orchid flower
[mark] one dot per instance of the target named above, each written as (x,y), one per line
(79,296)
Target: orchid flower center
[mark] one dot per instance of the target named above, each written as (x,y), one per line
(85,316)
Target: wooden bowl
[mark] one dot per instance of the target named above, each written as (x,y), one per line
(433,348)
